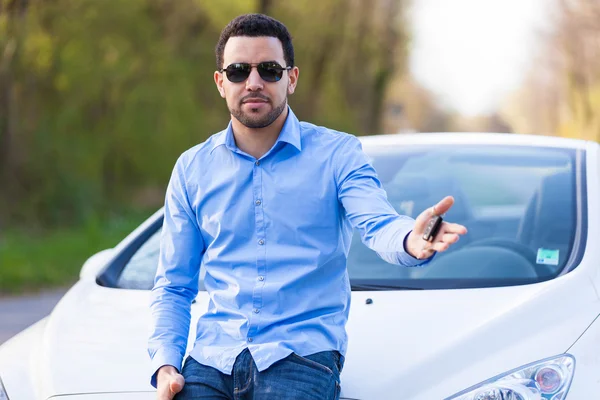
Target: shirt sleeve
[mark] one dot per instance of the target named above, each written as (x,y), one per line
(367,208)
(176,281)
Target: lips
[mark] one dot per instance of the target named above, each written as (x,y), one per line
(254,101)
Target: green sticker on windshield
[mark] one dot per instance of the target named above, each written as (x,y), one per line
(546,256)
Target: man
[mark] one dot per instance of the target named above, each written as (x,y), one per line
(267,207)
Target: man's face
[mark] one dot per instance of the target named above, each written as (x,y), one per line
(255,102)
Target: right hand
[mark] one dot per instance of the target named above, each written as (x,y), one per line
(448,234)
(169,382)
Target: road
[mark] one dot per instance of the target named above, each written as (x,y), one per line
(19,312)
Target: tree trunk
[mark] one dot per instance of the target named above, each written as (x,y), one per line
(14,11)
(326,52)
(387,66)
(7,109)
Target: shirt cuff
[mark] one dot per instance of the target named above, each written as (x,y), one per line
(165,356)
(407,259)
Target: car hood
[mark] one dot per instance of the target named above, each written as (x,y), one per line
(425,344)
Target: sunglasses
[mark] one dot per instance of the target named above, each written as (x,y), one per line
(269,71)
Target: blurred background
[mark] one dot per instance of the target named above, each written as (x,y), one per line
(99,97)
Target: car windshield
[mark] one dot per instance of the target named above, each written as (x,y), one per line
(518,204)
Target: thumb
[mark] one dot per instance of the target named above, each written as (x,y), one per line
(176,383)
(440,208)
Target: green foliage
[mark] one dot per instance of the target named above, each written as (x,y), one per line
(30,261)
(100,97)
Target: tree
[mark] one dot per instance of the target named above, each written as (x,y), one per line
(99,98)
(562,94)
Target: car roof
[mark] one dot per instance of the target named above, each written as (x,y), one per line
(482,138)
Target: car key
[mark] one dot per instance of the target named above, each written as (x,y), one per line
(432,228)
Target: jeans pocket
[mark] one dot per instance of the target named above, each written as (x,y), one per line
(316,361)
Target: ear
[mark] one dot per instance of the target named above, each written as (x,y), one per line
(293,79)
(219,83)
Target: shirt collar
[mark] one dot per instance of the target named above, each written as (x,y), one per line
(224,138)
(290,133)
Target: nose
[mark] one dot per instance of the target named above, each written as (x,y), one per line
(254,81)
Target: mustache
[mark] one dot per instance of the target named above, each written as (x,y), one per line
(254,96)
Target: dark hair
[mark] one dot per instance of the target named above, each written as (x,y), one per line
(256,25)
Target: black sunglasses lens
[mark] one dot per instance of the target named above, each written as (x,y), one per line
(270,72)
(237,72)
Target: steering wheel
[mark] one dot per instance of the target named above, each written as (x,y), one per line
(525,251)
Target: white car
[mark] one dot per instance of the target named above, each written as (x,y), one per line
(510,312)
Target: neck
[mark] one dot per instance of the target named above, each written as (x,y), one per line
(257,141)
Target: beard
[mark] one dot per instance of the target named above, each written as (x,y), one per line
(254,121)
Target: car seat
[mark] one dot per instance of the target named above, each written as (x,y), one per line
(549,219)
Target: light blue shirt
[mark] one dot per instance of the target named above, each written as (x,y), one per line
(273,236)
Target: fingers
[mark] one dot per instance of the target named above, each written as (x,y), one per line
(449,238)
(436,246)
(448,233)
(440,208)
(169,387)
(176,384)
(449,227)
(443,206)
(440,243)
(163,393)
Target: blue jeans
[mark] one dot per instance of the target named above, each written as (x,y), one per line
(316,376)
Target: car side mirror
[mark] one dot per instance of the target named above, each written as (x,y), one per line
(95,263)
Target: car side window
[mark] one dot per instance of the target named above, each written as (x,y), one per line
(140,270)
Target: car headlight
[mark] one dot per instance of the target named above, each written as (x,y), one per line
(3,395)
(547,379)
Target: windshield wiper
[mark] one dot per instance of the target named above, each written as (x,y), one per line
(363,287)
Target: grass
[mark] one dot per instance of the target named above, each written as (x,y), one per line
(30,262)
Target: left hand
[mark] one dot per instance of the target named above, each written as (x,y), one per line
(448,234)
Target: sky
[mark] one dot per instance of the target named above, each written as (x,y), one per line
(472,53)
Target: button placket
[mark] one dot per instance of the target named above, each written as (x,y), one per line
(260,232)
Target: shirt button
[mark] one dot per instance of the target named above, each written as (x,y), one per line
(249,339)
(261,278)
(261,242)
(256,311)
(257,202)
(257,163)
